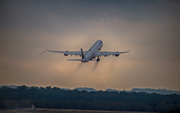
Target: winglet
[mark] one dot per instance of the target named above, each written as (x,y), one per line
(127,51)
(82,53)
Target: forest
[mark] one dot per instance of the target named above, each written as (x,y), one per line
(24,97)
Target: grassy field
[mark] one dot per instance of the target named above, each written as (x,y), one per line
(42,110)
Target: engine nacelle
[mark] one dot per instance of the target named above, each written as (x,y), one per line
(116,55)
(105,55)
(66,53)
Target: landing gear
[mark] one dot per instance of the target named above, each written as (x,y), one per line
(98,59)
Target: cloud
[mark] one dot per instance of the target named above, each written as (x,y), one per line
(149,29)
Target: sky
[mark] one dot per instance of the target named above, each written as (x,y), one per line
(148,28)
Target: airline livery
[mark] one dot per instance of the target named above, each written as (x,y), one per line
(91,54)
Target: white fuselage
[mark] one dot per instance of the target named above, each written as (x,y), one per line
(89,55)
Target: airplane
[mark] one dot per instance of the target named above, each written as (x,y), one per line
(91,54)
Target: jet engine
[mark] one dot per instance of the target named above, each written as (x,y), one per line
(116,55)
(66,53)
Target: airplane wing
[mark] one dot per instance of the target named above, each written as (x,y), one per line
(69,52)
(105,53)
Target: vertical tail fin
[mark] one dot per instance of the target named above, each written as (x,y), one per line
(82,53)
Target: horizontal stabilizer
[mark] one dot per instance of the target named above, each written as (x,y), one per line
(73,59)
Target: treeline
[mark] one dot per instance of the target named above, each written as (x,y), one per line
(48,97)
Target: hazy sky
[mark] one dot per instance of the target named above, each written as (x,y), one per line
(150,29)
